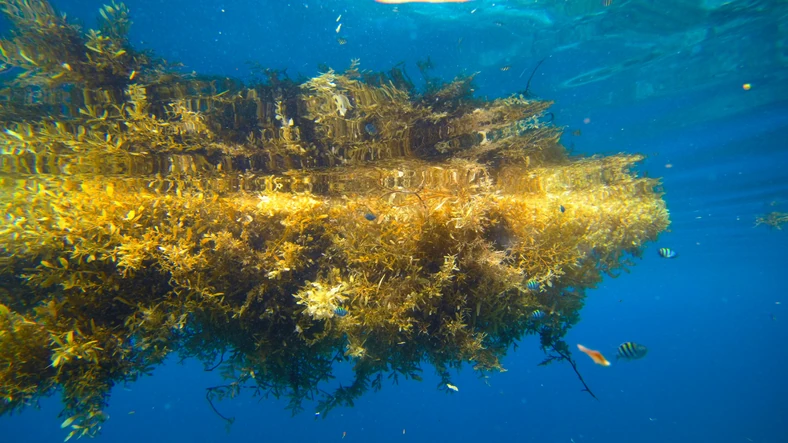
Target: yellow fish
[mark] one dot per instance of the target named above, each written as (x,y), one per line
(595,355)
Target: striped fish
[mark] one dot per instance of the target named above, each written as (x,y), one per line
(537,315)
(631,351)
(667,253)
(532,285)
(340,311)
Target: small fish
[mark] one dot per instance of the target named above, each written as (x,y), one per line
(607,3)
(667,253)
(341,40)
(595,355)
(370,216)
(452,387)
(537,315)
(499,24)
(340,311)
(344,434)
(371,129)
(532,285)
(505,68)
(562,208)
(338,28)
(132,412)
(631,351)
(577,132)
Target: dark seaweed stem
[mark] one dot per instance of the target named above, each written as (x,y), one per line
(221,360)
(527,91)
(219,392)
(209,397)
(567,357)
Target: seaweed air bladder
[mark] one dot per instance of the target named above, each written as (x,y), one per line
(267,231)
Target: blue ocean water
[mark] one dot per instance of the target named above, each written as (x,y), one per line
(665,80)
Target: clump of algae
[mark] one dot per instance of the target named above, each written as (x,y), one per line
(148,213)
(773,219)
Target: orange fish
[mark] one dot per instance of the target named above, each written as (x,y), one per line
(595,355)
(396,2)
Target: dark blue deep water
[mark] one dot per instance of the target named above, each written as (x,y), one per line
(662,78)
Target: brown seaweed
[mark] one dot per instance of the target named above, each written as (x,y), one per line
(150,213)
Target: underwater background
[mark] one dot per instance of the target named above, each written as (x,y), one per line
(665,79)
